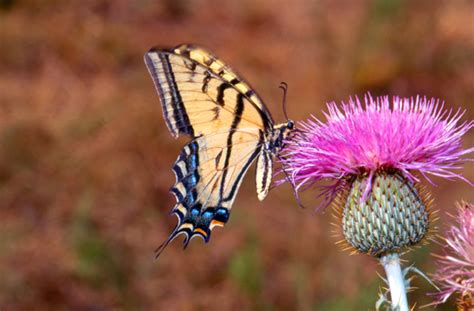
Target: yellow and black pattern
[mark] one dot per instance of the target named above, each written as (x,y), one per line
(220,69)
(230,127)
(192,93)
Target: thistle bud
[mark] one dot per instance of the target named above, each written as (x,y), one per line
(391,216)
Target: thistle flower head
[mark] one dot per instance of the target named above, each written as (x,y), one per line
(456,265)
(370,153)
(405,135)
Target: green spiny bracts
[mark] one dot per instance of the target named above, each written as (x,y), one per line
(392,216)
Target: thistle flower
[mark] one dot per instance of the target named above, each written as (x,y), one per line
(456,265)
(406,135)
(372,154)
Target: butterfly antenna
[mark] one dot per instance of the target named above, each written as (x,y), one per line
(295,192)
(284,87)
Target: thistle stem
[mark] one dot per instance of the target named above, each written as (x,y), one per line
(396,282)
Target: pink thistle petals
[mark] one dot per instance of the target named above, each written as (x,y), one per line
(404,135)
(456,272)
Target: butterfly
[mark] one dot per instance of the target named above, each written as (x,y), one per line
(229,127)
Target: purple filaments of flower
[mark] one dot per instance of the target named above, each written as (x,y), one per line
(404,134)
(456,272)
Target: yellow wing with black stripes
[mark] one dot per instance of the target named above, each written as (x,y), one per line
(199,93)
(229,125)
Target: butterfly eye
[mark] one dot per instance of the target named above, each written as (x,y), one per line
(290,125)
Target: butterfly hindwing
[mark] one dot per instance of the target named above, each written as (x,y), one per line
(207,180)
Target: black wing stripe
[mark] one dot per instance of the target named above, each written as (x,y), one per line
(234,81)
(235,186)
(239,110)
(220,93)
(153,69)
(179,110)
(266,158)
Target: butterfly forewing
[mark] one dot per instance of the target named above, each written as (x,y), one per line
(195,100)
(225,73)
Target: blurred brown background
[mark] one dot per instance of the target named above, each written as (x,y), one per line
(85,157)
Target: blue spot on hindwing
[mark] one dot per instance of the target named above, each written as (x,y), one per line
(222,214)
(208,214)
(195,212)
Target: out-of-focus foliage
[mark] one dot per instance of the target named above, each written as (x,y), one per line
(85,157)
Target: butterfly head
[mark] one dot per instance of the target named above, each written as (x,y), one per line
(279,134)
